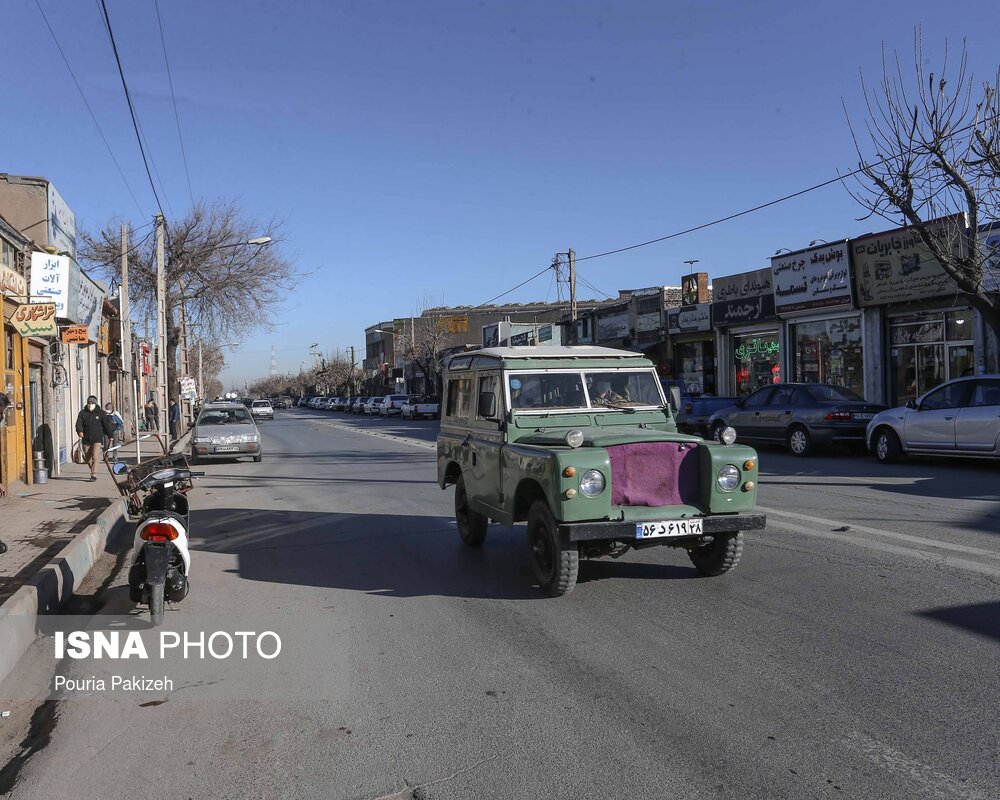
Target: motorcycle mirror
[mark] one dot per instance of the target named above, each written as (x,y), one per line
(118,468)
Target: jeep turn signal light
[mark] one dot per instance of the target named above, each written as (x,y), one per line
(749,464)
(569,472)
(749,486)
(570,494)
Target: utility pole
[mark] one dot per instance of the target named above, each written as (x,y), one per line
(186,404)
(352,370)
(201,385)
(572,294)
(130,397)
(161,327)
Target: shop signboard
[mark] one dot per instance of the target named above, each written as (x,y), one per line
(75,334)
(896,267)
(456,324)
(989,246)
(613,327)
(743,298)
(188,389)
(689,319)
(35,319)
(86,301)
(817,277)
(62,223)
(12,284)
(50,282)
(545,333)
(647,322)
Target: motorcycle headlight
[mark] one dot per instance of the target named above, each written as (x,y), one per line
(728,478)
(591,482)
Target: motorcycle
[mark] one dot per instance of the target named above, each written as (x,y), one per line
(161,561)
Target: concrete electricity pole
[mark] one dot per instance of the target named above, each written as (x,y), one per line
(130,397)
(572,293)
(161,327)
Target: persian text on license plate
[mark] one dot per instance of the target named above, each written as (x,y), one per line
(227,449)
(673,527)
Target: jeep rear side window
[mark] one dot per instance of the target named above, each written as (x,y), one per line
(460,397)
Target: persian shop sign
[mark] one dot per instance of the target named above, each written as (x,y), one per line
(747,297)
(35,319)
(819,277)
(75,334)
(895,266)
(12,284)
(688,319)
(50,280)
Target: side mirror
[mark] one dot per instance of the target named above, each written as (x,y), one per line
(675,397)
(118,468)
(911,404)
(488,405)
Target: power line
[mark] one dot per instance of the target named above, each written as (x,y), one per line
(131,108)
(522,283)
(87,104)
(743,213)
(173,98)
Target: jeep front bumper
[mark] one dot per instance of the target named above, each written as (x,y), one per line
(625,530)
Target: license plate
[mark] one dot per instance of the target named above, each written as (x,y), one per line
(227,449)
(673,527)
(862,416)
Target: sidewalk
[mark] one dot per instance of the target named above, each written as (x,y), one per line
(55,533)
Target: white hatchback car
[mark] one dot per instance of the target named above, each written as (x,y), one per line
(262,409)
(958,418)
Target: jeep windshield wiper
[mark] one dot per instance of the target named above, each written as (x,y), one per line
(613,407)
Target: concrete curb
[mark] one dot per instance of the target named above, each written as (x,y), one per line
(49,590)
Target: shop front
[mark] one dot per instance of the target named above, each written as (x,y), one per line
(928,330)
(15,436)
(751,338)
(812,295)
(693,346)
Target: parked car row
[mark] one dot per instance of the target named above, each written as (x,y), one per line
(406,406)
(961,417)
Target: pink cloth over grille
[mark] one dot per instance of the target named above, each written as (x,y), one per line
(654,474)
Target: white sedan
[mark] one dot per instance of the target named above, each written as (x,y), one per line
(958,418)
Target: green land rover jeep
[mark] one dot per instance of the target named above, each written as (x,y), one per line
(581,443)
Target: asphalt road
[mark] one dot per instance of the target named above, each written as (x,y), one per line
(853,653)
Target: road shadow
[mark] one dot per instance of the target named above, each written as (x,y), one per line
(387,555)
(982,619)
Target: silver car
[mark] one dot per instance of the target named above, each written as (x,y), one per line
(224,430)
(958,418)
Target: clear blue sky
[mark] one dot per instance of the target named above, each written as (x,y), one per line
(446,150)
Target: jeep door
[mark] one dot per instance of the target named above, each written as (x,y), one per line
(484,481)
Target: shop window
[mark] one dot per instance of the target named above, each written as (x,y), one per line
(958,326)
(831,352)
(757,361)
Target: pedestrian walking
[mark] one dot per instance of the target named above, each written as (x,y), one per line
(115,438)
(174,417)
(92,425)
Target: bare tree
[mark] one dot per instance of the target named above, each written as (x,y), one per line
(227,287)
(934,160)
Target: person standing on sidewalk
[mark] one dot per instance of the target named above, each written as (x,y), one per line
(152,415)
(118,424)
(174,418)
(92,425)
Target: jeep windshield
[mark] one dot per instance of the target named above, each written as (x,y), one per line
(576,390)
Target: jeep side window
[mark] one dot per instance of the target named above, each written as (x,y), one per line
(459,398)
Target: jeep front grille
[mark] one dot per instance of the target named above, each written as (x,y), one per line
(654,474)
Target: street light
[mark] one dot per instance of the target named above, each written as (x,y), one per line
(778,251)
(691,262)
(818,241)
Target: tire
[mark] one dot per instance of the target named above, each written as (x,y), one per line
(718,557)
(554,564)
(471,524)
(885,444)
(156,604)
(257,459)
(717,428)
(799,441)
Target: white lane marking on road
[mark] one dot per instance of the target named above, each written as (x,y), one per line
(929,779)
(905,537)
(935,558)
(391,436)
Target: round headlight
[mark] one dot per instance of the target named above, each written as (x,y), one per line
(591,482)
(728,477)
(728,435)
(574,438)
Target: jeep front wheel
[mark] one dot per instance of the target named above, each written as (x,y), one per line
(554,564)
(471,524)
(718,556)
